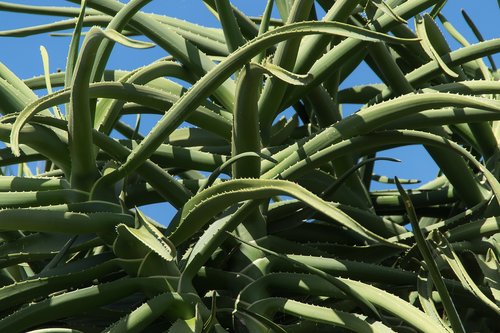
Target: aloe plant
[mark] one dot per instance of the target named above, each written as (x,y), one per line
(277,227)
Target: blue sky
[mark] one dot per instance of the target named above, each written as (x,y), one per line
(22,56)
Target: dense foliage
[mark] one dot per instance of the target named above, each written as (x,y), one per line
(276,229)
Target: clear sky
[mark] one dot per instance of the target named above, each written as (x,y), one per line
(22,56)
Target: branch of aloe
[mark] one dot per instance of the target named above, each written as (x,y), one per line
(443,247)
(119,21)
(388,138)
(313,46)
(478,35)
(74,46)
(16,294)
(88,21)
(337,282)
(151,97)
(179,307)
(454,58)
(169,188)
(229,162)
(215,77)
(245,133)
(80,122)
(284,57)
(264,27)
(197,211)
(184,51)
(43,140)
(15,83)
(390,303)
(107,112)
(46,72)
(71,303)
(370,119)
(43,220)
(424,248)
(424,289)
(325,66)
(234,38)
(479,63)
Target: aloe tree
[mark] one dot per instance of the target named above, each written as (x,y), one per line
(277,228)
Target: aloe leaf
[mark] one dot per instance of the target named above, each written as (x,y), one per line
(213,176)
(232,32)
(42,220)
(253,320)
(388,180)
(478,35)
(107,111)
(478,228)
(44,10)
(434,273)
(13,99)
(312,47)
(490,268)
(386,9)
(264,27)
(46,72)
(196,61)
(461,39)
(245,134)
(39,246)
(343,52)
(320,314)
(429,48)
(454,58)
(199,208)
(72,303)
(208,115)
(169,188)
(118,22)
(145,238)
(382,299)
(74,46)
(214,78)
(424,289)
(25,291)
(210,240)
(10,80)
(83,161)
(333,280)
(42,198)
(437,8)
(285,56)
(207,325)
(55,330)
(20,184)
(338,182)
(148,312)
(443,247)
(88,20)
(284,7)
(373,117)
(83,169)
